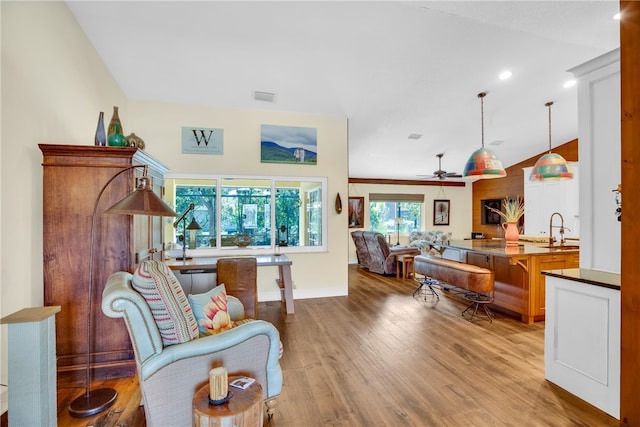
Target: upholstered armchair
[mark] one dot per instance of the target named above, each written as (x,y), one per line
(170,375)
(381,258)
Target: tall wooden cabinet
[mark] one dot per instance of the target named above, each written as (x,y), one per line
(73,175)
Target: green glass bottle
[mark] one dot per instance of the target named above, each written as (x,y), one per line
(115,134)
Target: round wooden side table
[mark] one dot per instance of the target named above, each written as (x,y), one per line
(244,408)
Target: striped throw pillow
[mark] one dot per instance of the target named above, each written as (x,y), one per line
(170,307)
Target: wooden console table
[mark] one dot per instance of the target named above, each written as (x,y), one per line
(208,265)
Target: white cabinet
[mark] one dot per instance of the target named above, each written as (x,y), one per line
(582,341)
(542,198)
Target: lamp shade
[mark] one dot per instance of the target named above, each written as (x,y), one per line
(143,201)
(193,225)
(483,164)
(550,167)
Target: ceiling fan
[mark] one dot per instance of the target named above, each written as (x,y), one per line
(440,173)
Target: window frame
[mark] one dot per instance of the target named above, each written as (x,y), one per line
(255,250)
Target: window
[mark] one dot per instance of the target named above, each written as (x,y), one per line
(395,213)
(267,212)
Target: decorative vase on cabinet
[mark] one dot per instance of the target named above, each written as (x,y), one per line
(100,138)
(115,134)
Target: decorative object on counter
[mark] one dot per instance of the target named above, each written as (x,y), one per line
(242,240)
(483,163)
(551,166)
(134,140)
(100,138)
(143,201)
(512,211)
(115,134)
(338,204)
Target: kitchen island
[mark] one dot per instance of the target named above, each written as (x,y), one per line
(519,284)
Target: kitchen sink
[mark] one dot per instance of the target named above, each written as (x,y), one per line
(560,247)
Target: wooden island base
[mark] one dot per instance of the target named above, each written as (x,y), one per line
(519,286)
(244,408)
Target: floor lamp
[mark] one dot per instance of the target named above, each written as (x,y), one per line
(143,201)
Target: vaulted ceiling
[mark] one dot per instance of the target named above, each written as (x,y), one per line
(392,68)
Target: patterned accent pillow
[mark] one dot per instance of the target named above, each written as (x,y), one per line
(157,284)
(210,309)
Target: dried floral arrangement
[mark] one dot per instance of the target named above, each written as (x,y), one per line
(512,209)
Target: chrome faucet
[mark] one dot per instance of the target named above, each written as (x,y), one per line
(562,229)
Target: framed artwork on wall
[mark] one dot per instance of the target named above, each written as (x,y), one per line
(441,212)
(356,212)
(490,217)
(288,144)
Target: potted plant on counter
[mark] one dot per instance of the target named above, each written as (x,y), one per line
(512,211)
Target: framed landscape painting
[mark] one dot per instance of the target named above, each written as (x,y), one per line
(441,212)
(288,144)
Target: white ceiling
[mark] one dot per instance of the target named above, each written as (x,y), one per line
(392,68)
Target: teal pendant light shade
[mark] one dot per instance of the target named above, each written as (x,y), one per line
(483,163)
(551,166)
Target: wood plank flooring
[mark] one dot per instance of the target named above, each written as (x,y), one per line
(381,357)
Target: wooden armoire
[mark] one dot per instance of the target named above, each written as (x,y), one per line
(73,176)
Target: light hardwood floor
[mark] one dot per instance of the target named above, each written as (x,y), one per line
(381,357)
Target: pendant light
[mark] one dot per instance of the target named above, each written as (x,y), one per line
(483,163)
(551,166)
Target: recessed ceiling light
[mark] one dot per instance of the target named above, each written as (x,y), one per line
(415,136)
(617,16)
(505,75)
(569,83)
(496,143)
(264,96)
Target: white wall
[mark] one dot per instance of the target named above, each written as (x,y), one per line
(460,221)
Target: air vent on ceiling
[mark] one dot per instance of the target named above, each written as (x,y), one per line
(264,96)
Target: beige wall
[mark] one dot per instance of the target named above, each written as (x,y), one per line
(460,215)
(54,85)
(160,125)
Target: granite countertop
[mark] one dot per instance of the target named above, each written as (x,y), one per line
(498,247)
(588,276)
